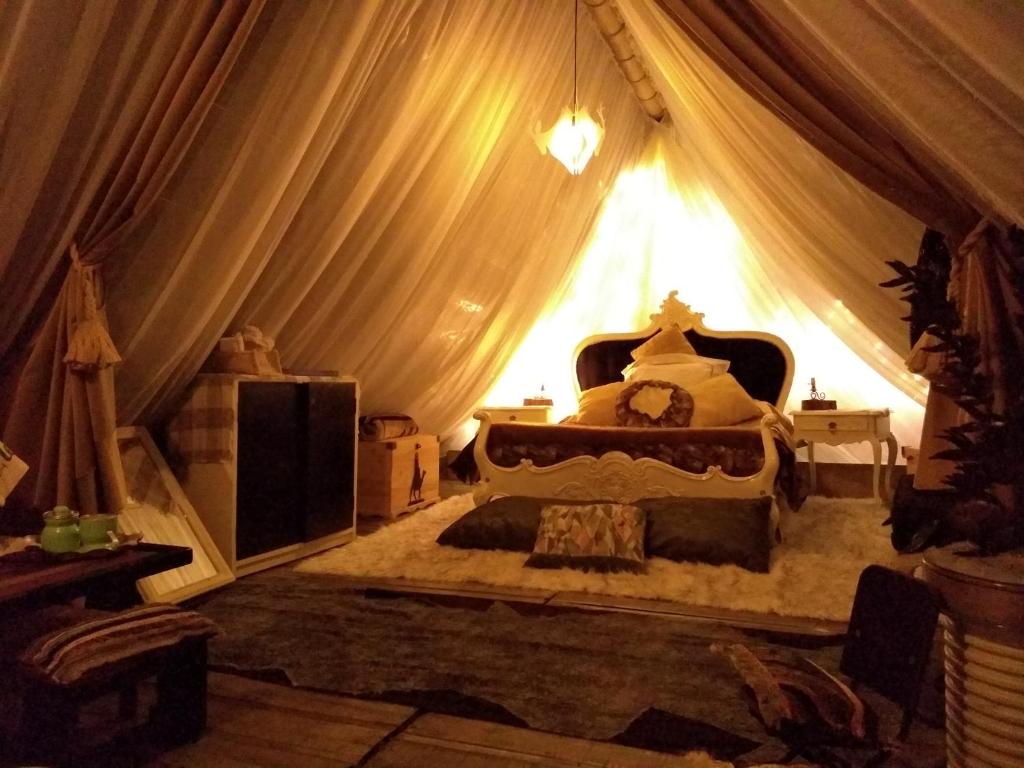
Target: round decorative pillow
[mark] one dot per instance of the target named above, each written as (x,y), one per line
(653,403)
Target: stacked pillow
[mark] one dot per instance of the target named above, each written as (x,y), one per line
(681,369)
(669,385)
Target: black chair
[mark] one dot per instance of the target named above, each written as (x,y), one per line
(892,626)
(888,643)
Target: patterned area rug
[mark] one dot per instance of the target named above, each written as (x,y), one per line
(634,679)
(814,571)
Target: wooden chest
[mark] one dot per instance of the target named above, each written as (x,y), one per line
(397,476)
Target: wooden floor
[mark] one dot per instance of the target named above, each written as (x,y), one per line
(260,725)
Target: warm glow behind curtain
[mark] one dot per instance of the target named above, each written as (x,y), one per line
(370,194)
(662,228)
(824,230)
(809,223)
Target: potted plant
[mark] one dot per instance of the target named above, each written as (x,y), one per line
(981,578)
(987,448)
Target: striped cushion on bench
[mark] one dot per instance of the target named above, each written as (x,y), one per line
(67,655)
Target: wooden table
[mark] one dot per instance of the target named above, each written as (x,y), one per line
(105,582)
(839,427)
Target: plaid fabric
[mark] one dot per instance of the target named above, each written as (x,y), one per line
(67,655)
(201,432)
(386,426)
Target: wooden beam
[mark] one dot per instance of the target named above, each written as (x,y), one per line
(613,29)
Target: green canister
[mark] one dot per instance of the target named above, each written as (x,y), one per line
(60,531)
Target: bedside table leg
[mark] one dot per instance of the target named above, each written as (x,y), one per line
(876,452)
(810,467)
(890,442)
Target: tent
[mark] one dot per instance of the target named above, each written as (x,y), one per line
(359,179)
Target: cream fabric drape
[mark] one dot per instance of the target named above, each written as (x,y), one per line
(102,101)
(661,228)
(815,230)
(369,193)
(946,77)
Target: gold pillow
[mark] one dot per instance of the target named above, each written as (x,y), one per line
(666,341)
(721,401)
(597,405)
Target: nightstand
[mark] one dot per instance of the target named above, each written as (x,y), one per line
(532,414)
(840,427)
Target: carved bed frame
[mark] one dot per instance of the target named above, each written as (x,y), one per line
(761,362)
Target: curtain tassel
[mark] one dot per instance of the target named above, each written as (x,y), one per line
(90,347)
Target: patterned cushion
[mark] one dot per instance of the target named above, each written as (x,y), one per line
(602,537)
(653,404)
(69,654)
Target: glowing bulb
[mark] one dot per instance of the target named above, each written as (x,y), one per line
(573,140)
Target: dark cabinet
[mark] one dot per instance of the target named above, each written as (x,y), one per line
(289,487)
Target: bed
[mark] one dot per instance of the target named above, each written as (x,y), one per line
(624,464)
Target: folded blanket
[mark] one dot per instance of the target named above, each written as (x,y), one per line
(386,426)
(67,655)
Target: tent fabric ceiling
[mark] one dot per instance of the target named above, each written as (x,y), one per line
(815,230)
(151,76)
(373,199)
(367,190)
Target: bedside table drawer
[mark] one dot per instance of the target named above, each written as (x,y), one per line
(535,414)
(834,423)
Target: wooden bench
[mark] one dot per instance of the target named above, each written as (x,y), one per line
(46,730)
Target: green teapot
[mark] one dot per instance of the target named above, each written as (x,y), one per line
(60,531)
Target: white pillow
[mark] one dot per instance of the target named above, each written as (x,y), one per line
(678,368)
(683,375)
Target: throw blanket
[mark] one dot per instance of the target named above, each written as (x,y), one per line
(797,698)
(386,426)
(67,655)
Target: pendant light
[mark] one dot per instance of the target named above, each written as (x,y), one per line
(575,138)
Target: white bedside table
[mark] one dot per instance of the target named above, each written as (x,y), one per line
(840,427)
(532,414)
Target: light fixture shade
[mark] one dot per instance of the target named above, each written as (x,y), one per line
(572,142)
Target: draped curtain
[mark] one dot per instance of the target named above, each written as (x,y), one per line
(923,101)
(662,227)
(369,193)
(817,233)
(101,101)
(365,186)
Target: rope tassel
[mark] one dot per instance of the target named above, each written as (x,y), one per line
(90,347)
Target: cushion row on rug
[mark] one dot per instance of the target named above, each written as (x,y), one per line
(713,531)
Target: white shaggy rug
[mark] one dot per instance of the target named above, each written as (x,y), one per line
(814,571)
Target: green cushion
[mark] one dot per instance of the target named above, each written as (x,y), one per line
(715,531)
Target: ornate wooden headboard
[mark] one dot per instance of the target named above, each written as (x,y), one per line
(761,362)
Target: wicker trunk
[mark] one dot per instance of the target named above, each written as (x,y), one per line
(397,476)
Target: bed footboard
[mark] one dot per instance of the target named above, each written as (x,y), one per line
(615,476)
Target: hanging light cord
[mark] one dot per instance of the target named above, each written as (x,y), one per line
(575,35)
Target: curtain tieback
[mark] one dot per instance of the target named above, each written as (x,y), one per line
(90,346)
